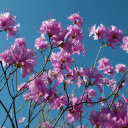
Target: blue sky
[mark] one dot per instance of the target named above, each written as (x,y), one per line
(31,13)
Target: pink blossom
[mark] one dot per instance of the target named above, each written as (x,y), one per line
(12,31)
(91,92)
(125,45)
(99,33)
(126,101)
(114,35)
(108,82)
(50,27)
(20,42)
(116,117)
(120,68)
(21,57)
(72,116)
(61,60)
(27,96)
(67,45)
(47,125)
(94,117)
(21,120)
(103,62)
(6,20)
(71,75)
(59,102)
(74,112)
(76,33)
(77,20)
(103,103)
(109,70)
(39,92)
(92,73)
(99,83)
(79,83)
(117,88)
(105,66)
(77,48)
(21,85)
(87,98)
(59,38)
(41,43)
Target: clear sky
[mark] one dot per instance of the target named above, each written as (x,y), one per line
(31,13)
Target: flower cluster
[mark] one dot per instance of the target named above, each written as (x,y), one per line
(42,87)
(68,40)
(113,118)
(114,36)
(75,111)
(104,65)
(21,56)
(6,22)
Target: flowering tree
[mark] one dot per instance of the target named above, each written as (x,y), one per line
(52,86)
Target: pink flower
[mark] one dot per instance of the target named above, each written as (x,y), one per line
(59,102)
(12,31)
(115,117)
(103,62)
(21,57)
(47,125)
(72,116)
(126,100)
(88,99)
(105,66)
(71,75)
(120,68)
(117,88)
(61,60)
(77,20)
(99,83)
(114,35)
(91,92)
(20,42)
(6,20)
(108,82)
(50,27)
(76,33)
(41,43)
(103,103)
(59,39)
(92,73)
(77,48)
(74,112)
(125,45)
(109,70)
(27,96)
(99,33)
(94,117)
(21,85)
(21,120)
